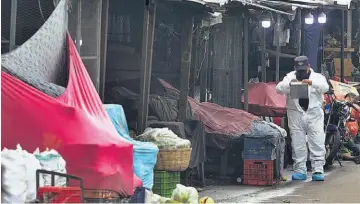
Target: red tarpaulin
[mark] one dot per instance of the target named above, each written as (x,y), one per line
(265,101)
(75,124)
(217,119)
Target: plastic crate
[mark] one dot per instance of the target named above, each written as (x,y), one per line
(101,196)
(53,194)
(165,182)
(259,172)
(258,148)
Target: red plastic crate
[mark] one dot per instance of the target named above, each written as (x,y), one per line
(52,194)
(259,172)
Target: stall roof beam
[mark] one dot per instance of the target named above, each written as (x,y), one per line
(318,4)
(282,3)
(247,3)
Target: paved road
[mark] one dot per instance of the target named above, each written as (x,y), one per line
(342,185)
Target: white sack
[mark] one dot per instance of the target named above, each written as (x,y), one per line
(14,184)
(52,161)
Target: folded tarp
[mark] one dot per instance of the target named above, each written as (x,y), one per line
(75,123)
(268,103)
(145,153)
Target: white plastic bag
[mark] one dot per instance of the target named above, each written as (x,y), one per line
(14,184)
(52,161)
(185,194)
(152,198)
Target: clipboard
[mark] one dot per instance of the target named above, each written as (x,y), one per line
(299,90)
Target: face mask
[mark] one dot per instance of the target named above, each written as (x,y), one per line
(302,74)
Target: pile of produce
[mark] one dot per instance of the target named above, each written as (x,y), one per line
(164,138)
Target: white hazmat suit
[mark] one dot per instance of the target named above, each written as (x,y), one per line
(306,125)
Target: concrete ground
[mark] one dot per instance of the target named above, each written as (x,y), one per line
(342,185)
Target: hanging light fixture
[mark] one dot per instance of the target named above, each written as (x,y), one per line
(309,19)
(322,18)
(266,22)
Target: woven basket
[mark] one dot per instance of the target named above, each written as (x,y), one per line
(173,159)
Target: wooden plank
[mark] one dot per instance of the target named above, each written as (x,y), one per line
(347,67)
(335,49)
(89,57)
(186,48)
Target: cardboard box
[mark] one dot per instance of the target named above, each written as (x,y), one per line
(347,67)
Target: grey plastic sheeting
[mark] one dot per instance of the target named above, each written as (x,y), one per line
(274,135)
(42,65)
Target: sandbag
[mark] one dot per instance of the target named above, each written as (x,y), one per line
(52,161)
(14,183)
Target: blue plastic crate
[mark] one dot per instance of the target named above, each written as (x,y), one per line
(259,149)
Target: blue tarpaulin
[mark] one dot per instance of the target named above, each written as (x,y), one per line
(145,153)
(311,44)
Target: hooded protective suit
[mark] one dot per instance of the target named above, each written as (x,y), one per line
(306,125)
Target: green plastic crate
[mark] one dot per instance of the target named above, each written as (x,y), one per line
(165,182)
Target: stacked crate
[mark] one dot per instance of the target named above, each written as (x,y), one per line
(165,182)
(259,161)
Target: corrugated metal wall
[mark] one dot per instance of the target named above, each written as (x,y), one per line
(125,37)
(226,62)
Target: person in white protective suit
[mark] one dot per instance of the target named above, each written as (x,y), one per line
(306,119)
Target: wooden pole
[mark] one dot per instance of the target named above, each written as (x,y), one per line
(78,26)
(204,71)
(104,32)
(277,72)
(240,72)
(349,32)
(145,72)
(262,53)
(300,33)
(13,14)
(278,48)
(186,48)
(246,62)
(342,46)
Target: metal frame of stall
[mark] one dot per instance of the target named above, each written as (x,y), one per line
(192,7)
